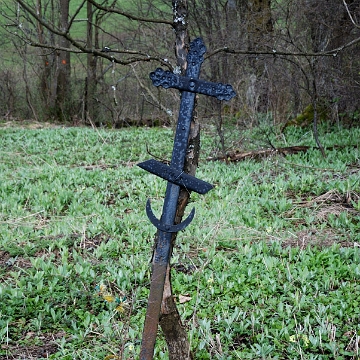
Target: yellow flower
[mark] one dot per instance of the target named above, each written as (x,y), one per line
(269,229)
(306,340)
(109,297)
(108,357)
(120,308)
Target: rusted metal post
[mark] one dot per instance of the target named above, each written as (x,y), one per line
(174,174)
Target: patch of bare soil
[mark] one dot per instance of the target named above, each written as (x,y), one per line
(29,124)
(331,203)
(239,155)
(334,197)
(83,243)
(318,238)
(4,258)
(8,261)
(45,347)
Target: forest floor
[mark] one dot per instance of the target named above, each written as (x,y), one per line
(268,269)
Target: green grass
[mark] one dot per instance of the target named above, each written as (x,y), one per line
(272,254)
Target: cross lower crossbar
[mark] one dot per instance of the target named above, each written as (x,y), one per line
(175,176)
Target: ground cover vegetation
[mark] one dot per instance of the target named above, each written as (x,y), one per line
(268,269)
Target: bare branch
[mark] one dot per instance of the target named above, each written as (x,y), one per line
(71,21)
(274,52)
(140,56)
(130,16)
(350,16)
(153,97)
(79,48)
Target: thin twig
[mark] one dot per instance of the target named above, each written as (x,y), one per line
(350,16)
(156,157)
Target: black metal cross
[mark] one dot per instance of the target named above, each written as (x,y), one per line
(176,178)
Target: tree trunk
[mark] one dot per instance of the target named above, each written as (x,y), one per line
(259,26)
(45,74)
(55,69)
(170,321)
(90,81)
(259,19)
(63,91)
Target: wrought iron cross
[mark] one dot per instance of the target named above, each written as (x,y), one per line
(176,178)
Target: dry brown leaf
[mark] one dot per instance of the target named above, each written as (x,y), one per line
(184,298)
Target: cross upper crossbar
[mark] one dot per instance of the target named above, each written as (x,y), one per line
(168,79)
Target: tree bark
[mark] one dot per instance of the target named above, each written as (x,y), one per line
(170,321)
(44,90)
(259,21)
(63,91)
(259,27)
(90,81)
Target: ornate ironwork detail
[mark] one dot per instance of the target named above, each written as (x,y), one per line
(167,79)
(189,85)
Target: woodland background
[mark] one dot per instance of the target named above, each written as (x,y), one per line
(89,62)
